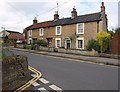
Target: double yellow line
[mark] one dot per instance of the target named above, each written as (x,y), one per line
(38,75)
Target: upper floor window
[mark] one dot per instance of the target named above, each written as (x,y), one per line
(80,28)
(41,31)
(30,32)
(58,30)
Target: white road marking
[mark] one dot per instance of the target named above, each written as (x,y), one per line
(54,87)
(35,84)
(44,80)
(33,75)
(42,89)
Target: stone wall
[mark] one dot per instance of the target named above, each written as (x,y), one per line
(49,49)
(14,72)
(69,51)
(78,52)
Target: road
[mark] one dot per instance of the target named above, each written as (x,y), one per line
(71,74)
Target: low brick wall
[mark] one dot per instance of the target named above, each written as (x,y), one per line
(68,51)
(19,45)
(49,49)
(14,72)
(78,52)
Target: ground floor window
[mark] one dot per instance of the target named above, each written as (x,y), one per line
(58,42)
(80,43)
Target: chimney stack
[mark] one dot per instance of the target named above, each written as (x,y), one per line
(35,20)
(56,16)
(103,8)
(74,13)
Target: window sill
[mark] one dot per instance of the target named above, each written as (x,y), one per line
(58,34)
(80,33)
(40,35)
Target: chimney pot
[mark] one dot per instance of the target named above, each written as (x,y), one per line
(102,7)
(74,13)
(56,16)
(35,20)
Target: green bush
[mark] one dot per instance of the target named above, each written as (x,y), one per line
(24,46)
(106,45)
(104,39)
(117,29)
(27,46)
(93,44)
(62,47)
(40,42)
(33,46)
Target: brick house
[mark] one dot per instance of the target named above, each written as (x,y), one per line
(16,36)
(72,32)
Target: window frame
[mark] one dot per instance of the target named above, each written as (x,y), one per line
(30,33)
(41,29)
(56,42)
(78,28)
(82,43)
(57,30)
(30,39)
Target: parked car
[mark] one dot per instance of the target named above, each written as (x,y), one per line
(19,41)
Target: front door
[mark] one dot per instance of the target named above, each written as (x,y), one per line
(49,42)
(68,44)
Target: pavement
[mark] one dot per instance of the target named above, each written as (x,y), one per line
(100,60)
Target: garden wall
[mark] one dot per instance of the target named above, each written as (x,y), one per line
(14,72)
(78,52)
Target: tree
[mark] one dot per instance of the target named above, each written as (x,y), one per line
(111,33)
(117,29)
(93,44)
(103,39)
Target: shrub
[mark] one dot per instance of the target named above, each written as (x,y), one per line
(93,44)
(103,39)
(24,46)
(62,47)
(27,46)
(40,42)
(117,29)
(33,46)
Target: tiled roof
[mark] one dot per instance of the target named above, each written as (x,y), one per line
(66,21)
(40,25)
(16,36)
(11,31)
(78,19)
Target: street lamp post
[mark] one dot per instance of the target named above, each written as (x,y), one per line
(3,36)
(3,31)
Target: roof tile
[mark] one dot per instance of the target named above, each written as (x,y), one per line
(66,21)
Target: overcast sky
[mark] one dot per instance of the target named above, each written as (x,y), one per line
(17,14)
